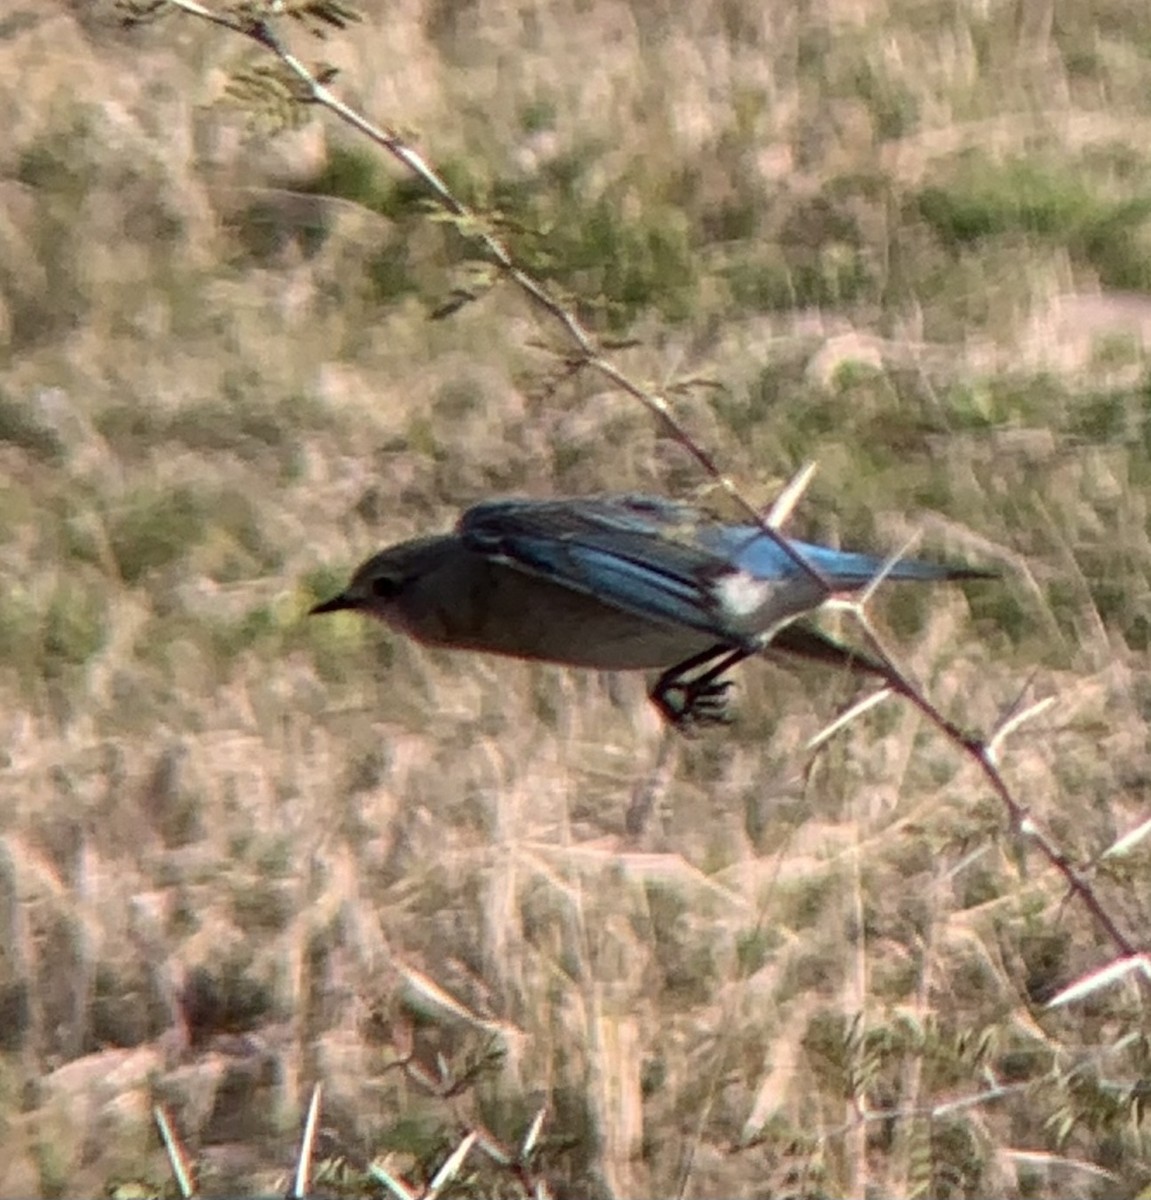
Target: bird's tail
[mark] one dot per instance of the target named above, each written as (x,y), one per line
(850,570)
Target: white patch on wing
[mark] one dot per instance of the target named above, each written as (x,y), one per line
(741,594)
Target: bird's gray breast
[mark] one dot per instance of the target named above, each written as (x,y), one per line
(513,612)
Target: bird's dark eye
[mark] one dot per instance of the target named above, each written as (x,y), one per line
(386,587)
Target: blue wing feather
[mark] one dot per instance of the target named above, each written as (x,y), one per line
(667,560)
(621,550)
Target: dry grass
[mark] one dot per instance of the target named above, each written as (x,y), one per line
(241,852)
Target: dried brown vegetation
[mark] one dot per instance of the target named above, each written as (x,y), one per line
(241,852)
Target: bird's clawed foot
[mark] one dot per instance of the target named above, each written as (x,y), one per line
(691,704)
(688,702)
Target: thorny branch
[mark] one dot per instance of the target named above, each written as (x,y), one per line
(252,22)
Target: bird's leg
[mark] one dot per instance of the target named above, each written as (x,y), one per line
(701,700)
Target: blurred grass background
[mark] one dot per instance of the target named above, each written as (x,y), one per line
(910,242)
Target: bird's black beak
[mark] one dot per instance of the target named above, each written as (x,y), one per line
(335,604)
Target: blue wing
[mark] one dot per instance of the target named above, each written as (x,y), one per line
(668,561)
(637,553)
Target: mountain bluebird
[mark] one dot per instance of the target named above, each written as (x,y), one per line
(617,583)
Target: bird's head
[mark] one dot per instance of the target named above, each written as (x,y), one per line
(379,586)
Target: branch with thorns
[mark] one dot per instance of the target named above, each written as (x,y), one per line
(292,82)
